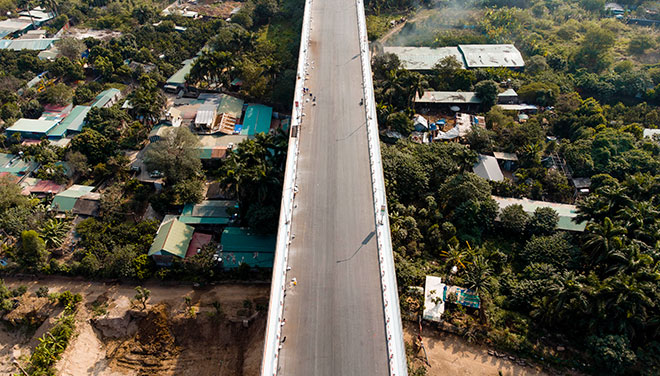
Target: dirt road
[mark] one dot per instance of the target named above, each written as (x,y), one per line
(451,355)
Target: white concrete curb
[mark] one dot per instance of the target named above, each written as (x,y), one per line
(396,349)
(269,362)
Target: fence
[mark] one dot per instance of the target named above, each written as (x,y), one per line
(269,362)
(394,330)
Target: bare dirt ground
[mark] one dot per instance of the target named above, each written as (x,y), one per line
(166,339)
(82,33)
(211,8)
(452,355)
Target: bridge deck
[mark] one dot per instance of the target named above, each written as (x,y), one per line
(334,316)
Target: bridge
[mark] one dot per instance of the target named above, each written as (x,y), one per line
(334,306)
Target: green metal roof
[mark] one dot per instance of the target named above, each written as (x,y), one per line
(58,131)
(32,126)
(191,220)
(29,44)
(257,119)
(207,212)
(17,167)
(173,238)
(76,118)
(179,78)
(66,200)
(230,105)
(240,245)
(104,97)
(205,153)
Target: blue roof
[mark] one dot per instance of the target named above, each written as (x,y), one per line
(257,119)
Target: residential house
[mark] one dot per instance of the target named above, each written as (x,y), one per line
(177,81)
(508,161)
(437,294)
(509,96)
(242,246)
(488,168)
(41,188)
(446,100)
(15,165)
(66,200)
(88,205)
(215,212)
(172,241)
(107,98)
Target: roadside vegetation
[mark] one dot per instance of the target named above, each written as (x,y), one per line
(583,300)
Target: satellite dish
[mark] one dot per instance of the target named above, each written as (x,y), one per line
(455,108)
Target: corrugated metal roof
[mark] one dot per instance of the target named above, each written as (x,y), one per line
(173,238)
(240,245)
(205,116)
(104,97)
(209,209)
(505,156)
(517,107)
(448,97)
(46,186)
(434,305)
(66,200)
(567,213)
(424,58)
(32,126)
(230,105)
(179,78)
(488,168)
(198,241)
(257,119)
(238,239)
(508,93)
(10,163)
(13,25)
(29,44)
(491,55)
(76,118)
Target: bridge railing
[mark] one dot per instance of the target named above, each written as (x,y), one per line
(394,330)
(269,362)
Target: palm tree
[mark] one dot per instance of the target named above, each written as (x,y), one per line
(455,256)
(391,84)
(478,278)
(50,4)
(603,241)
(416,86)
(627,302)
(640,221)
(27,5)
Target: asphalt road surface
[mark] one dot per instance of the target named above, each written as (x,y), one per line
(334,316)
